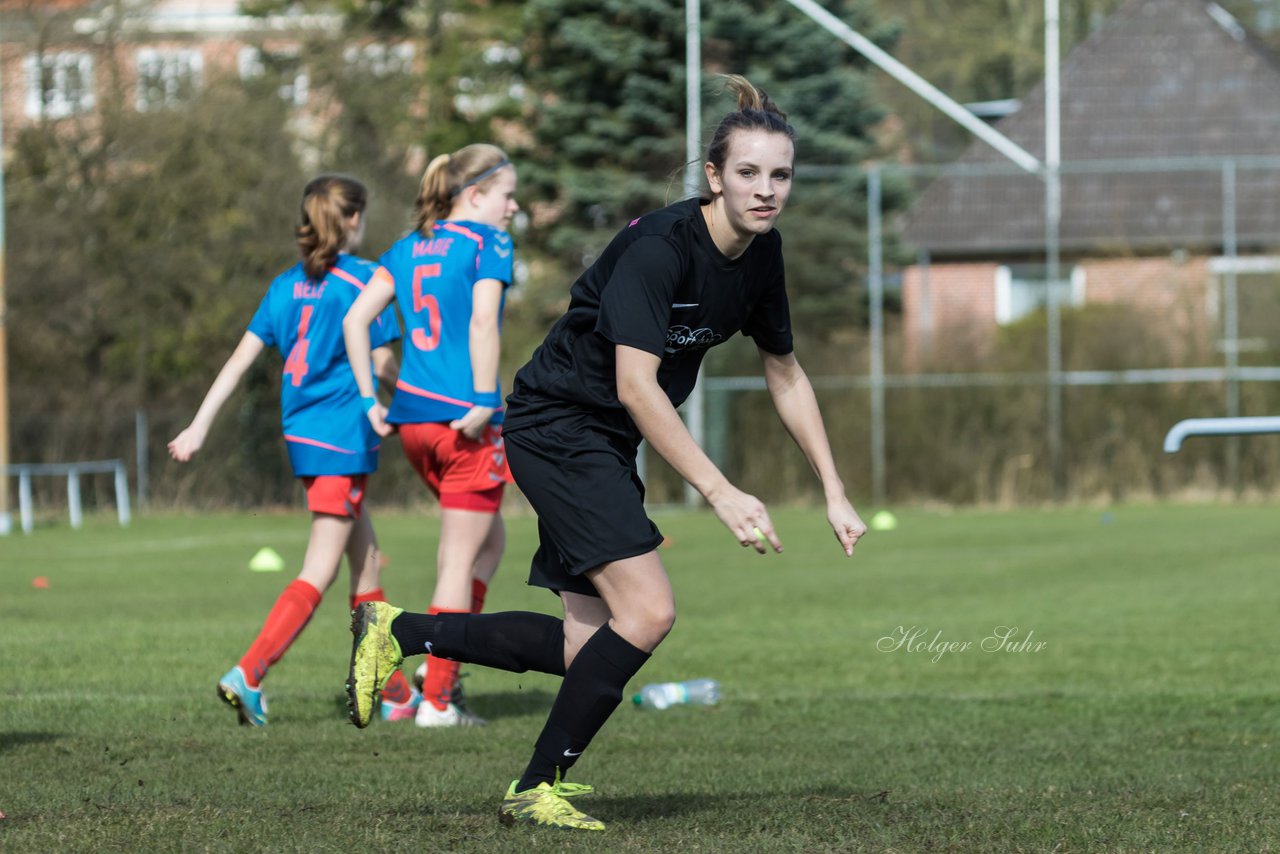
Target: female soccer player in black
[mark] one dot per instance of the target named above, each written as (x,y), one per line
(612,372)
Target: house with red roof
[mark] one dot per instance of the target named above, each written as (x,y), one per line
(1170,140)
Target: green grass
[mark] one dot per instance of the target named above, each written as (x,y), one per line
(1149,721)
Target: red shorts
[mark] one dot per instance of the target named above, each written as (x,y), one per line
(336,494)
(463,474)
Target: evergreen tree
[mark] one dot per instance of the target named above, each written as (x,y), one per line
(827,90)
(608,128)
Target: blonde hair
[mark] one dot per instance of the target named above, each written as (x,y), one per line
(328,203)
(448,175)
(756,111)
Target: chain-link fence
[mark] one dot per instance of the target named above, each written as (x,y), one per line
(242,464)
(979,375)
(1007,359)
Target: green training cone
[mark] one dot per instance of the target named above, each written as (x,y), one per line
(884,521)
(266,560)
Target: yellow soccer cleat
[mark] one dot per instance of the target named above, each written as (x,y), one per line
(572,790)
(375,656)
(545,806)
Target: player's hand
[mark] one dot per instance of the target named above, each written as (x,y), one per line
(845,523)
(377,415)
(185,444)
(743,514)
(472,424)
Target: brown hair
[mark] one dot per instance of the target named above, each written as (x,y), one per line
(448,175)
(328,202)
(756,111)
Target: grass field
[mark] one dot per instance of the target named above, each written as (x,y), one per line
(1147,719)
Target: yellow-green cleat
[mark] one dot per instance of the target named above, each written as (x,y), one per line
(545,806)
(375,656)
(572,790)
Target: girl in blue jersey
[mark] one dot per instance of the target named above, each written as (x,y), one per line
(611,372)
(332,446)
(449,277)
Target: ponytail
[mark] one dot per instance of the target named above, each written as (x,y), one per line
(756,111)
(328,203)
(448,175)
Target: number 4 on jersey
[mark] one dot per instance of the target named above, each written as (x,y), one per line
(295,367)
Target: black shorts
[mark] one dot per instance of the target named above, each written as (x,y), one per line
(580,476)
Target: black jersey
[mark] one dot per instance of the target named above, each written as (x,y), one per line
(661,286)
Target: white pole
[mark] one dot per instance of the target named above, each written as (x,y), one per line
(695,407)
(692,97)
(25,511)
(919,85)
(141,444)
(1052,87)
(875,286)
(122,495)
(73,499)
(6,521)
(1052,229)
(1231,314)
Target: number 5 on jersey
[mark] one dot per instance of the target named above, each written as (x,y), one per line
(422,338)
(295,367)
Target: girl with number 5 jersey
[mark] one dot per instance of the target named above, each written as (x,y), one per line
(332,448)
(450,278)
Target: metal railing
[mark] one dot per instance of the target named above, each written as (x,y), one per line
(1232,218)
(72,472)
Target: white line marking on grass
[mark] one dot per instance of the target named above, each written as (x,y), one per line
(183,544)
(81,697)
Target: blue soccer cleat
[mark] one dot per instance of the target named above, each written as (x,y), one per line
(249,703)
(403,711)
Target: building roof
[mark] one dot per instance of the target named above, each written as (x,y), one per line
(1161,79)
(42,5)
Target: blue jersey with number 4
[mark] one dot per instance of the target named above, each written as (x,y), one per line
(434,280)
(325,427)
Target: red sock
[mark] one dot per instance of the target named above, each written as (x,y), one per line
(374,595)
(441,672)
(478,590)
(397,689)
(288,617)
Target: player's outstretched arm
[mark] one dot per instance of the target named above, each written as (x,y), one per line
(376,296)
(185,444)
(797,406)
(485,345)
(649,407)
(385,366)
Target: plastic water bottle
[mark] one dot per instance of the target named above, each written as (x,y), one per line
(664,695)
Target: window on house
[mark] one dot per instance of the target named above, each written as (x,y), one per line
(285,66)
(381,60)
(167,77)
(58,84)
(1024,288)
(498,83)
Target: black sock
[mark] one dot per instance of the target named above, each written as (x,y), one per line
(591,690)
(510,640)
